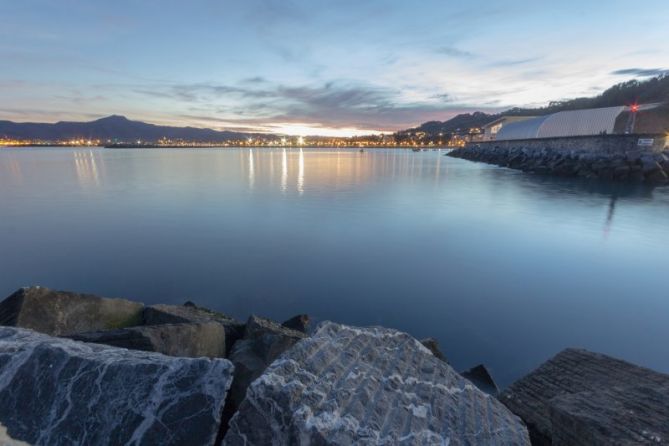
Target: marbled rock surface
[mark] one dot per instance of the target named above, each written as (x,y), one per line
(189,312)
(60,313)
(6,440)
(264,341)
(58,391)
(191,340)
(368,386)
(599,399)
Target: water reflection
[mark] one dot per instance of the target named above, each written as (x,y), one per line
(15,169)
(252,173)
(86,168)
(300,173)
(284,171)
(609,216)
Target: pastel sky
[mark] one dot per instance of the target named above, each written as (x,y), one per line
(316,67)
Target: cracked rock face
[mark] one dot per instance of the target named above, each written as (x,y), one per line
(58,391)
(263,342)
(60,313)
(368,386)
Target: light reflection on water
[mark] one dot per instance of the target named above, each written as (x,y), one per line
(502,267)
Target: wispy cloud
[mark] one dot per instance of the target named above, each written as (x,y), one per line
(336,103)
(641,72)
(455,52)
(513,62)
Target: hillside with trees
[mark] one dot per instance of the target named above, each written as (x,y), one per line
(626,93)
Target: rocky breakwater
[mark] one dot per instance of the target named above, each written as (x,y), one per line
(621,162)
(343,385)
(183,374)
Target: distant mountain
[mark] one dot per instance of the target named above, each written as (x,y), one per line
(117,128)
(626,93)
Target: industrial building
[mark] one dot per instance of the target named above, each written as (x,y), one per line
(587,122)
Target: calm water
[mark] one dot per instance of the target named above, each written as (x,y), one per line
(501,267)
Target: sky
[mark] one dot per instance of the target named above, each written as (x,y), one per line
(316,67)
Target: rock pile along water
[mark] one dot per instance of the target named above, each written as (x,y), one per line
(637,166)
(279,385)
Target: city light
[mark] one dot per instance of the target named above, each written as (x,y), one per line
(408,139)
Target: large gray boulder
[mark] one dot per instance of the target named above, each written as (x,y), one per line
(368,386)
(59,313)
(584,398)
(264,341)
(189,312)
(192,340)
(57,391)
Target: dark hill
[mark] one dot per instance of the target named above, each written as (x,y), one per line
(113,127)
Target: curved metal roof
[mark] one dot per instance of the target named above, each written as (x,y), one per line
(527,129)
(581,122)
(566,123)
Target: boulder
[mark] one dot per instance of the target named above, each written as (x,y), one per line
(189,312)
(59,313)
(581,391)
(481,378)
(368,386)
(263,342)
(298,323)
(57,391)
(192,340)
(433,345)
(622,416)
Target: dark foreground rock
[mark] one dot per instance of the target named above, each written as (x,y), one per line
(298,323)
(59,313)
(371,386)
(192,340)
(481,378)
(189,312)
(635,166)
(580,398)
(263,342)
(433,345)
(58,391)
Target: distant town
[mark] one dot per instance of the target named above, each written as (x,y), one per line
(408,139)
